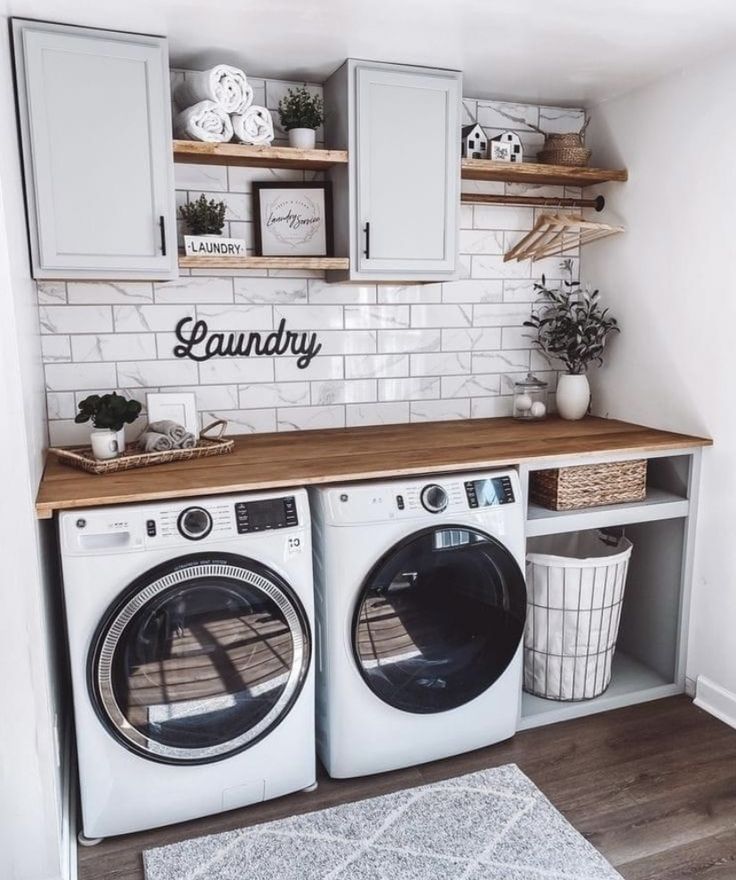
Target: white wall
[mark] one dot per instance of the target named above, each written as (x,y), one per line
(669,279)
(30,791)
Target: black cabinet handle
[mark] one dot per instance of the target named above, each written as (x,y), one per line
(367,250)
(162,227)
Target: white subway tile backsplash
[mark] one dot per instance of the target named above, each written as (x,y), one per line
(389,352)
(66,432)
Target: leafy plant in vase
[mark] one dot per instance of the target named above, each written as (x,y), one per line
(109,413)
(301,114)
(570,325)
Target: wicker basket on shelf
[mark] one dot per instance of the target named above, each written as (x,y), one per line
(589,485)
(564,149)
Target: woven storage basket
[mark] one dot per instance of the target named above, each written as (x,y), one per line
(589,485)
(564,149)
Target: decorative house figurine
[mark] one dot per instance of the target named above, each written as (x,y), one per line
(474,142)
(506,148)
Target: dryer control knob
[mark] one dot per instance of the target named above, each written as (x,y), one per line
(194,523)
(434,498)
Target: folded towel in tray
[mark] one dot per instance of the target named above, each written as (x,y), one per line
(171,429)
(225,85)
(255,126)
(151,441)
(205,121)
(187,441)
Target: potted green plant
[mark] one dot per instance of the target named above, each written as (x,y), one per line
(109,413)
(204,220)
(570,325)
(301,114)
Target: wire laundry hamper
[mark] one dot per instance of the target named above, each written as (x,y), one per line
(575,589)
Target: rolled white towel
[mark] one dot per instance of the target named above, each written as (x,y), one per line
(225,85)
(205,121)
(150,441)
(255,126)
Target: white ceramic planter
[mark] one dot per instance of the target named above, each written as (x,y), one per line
(302,138)
(107,444)
(573,396)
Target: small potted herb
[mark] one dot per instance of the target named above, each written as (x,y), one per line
(109,413)
(570,325)
(301,114)
(204,221)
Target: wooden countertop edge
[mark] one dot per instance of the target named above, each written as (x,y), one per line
(597,443)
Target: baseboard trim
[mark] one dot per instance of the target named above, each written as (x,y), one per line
(716,700)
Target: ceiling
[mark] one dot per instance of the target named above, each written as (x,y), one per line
(568,52)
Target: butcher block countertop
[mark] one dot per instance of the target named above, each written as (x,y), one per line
(265,461)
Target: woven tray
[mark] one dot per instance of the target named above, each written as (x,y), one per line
(81,456)
(589,485)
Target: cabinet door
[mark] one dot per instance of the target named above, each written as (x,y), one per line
(408,167)
(95,122)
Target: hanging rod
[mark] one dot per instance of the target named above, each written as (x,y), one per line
(598,203)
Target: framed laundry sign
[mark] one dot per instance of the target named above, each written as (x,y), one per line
(293,219)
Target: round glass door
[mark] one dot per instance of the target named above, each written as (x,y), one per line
(439,619)
(199,659)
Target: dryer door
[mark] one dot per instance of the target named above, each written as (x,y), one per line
(199,658)
(439,619)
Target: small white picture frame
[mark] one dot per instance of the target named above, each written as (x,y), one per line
(180,407)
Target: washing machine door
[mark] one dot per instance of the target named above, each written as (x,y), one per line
(199,658)
(439,618)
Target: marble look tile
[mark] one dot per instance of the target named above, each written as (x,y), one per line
(270,290)
(376,316)
(471,339)
(244,232)
(75,319)
(500,361)
(242,421)
(414,388)
(557,268)
(342,391)
(516,337)
(469,291)
(348,341)
(489,187)
(466,216)
(481,241)
(561,119)
(377,365)
(101,292)
(519,290)
(209,289)
(309,317)
(236,370)
(503,217)
(136,319)
(55,349)
(396,412)
(504,115)
(211,396)
(237,205)
(469,112)
(329,367)
(202,178)
(409,340)
(477,385)
(113,347)
(49,293)
(304,418)
(500,314)
(409,293)
(440,316)
(66,432)
(241,178)
(273,394)
(60,405)
(491,407)
(277,89)
(439,410)
(440,364)
(73,377)
(493,266)
(157,373)
(237,318)
(349,294)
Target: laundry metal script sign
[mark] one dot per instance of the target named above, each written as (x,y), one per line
(197,342)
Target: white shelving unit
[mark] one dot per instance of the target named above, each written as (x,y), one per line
(650,657)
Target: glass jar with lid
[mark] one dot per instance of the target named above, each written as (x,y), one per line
(530,398)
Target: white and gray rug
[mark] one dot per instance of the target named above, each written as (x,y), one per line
(491,825)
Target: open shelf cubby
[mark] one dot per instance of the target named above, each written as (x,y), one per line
(537,173)
(264,262)
(201,153)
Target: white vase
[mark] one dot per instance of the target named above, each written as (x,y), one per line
(302,138)
(107,444)
(573,396)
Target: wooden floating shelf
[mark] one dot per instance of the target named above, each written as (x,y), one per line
(201,153)
(536,173)
(264,262)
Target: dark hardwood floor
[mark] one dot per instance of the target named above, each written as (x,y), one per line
(653,787)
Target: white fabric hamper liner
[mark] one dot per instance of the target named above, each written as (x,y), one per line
(575,588)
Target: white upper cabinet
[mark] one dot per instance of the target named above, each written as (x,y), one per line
(95,120)
(396,206)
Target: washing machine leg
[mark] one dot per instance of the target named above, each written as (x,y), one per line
(313,787)
(88,841)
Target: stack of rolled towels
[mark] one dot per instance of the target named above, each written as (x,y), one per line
(217,104)
(164,435)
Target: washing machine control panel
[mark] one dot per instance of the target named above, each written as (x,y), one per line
(263,515)
(489,492)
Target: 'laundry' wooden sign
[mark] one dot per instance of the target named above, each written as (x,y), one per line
(199,344)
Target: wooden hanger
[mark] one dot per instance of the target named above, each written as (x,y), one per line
(557,233)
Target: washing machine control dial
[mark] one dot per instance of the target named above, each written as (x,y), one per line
(194,523)
(434,498)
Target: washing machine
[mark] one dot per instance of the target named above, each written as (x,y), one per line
(421,603)
(190,637)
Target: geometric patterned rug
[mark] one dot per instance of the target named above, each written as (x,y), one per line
(491,825)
